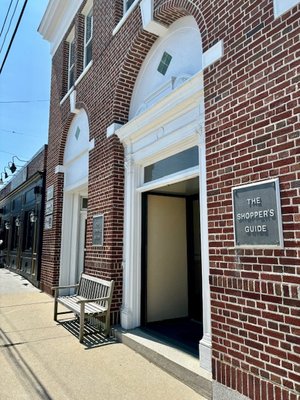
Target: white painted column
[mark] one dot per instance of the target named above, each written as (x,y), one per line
(131,307)
(205,342)
(66,232)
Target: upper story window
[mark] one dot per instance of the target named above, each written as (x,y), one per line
(88,36)
(71,61)
(127,4)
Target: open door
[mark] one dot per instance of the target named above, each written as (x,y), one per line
(172,282)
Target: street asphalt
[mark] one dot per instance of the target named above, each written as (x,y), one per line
(43,359)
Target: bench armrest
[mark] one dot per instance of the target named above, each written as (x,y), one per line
(64,287)
(56,289)
(92,300)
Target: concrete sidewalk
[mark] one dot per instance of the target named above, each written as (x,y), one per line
(41,359)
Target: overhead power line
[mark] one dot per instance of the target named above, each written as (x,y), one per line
(17,133)
(23,101)
(9,25)
(14,34)
(9,7)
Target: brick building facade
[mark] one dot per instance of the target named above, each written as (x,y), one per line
(155,117)
(22,217)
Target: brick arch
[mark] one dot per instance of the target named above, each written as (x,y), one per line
(166,11)
(125,82)
(66,128)
(63,139)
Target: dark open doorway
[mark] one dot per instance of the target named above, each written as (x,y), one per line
(171,265)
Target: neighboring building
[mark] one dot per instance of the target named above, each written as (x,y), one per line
(21,218)
(156,125)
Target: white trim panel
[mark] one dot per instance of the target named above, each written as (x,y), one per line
(57,20)
(213,54)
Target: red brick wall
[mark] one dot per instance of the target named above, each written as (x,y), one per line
(252,134)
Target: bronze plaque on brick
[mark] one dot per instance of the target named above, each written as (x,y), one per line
(98,223)
(257,215)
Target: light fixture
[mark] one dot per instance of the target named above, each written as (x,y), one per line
(7,225)
(13,167)
(1,180)
(18,221)
(33,217)
(5,173)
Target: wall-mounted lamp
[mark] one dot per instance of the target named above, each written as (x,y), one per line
(12,165)
(33,217)
(5,173)
(7,225)
(18,221)
(1,180)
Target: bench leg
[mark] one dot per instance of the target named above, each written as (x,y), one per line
(55,310)
(107,325)
(81,322)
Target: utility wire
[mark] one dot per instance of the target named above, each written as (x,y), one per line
(7,152)
(18,133)
(23,101)
(6,33)
(14,34)
(11,1)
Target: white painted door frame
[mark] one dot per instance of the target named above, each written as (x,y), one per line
(71,237)
(174,124)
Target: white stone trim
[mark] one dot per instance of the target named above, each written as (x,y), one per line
(79,184)
(87,8)
(149,25)
(57,20)
(222,392)
(73,108)
(213,54)
(91,144)
(205,343)
(111,129)
(172,125)
(177,103)
(59,169)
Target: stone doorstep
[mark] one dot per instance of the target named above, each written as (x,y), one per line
(177,363)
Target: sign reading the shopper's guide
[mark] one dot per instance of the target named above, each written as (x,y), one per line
(98,222)
(257,215)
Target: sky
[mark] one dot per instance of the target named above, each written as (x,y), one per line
(24,84)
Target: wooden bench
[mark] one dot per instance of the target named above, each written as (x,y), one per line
(92,299)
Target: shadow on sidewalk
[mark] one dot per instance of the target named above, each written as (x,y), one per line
(22,369)
(92,337)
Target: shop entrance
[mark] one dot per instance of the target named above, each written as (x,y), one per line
(171,264)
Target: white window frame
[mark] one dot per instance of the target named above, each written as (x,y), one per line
(71,42)
(125,8)
(87,42)
(282,6)
(126,13)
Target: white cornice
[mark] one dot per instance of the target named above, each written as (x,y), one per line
(57,20)
(177,102)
